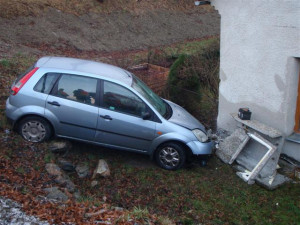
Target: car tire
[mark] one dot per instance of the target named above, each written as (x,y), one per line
(34,129)
(170,156)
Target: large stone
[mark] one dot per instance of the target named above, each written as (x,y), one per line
(56,194)
(53,169)
(254,152)
(119,209)
(66,165)
(230,145)
(65,181)
(70,186)
(94,183)
(60,180)
(59,146)
(272,183)
(82,170)
(297,173)
(77,195)
(102,169)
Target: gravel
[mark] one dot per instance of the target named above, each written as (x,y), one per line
(11,213)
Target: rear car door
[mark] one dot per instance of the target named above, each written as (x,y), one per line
(120,119)
(72,106)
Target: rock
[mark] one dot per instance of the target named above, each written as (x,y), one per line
(278,181)
(59,146)
(95,213)
(12,213)
(76,195)
(297,173)
(119,209)
(64,180)
(60,180)
(70,186)
(53,169)
(94,183)
(230,145)
(82,170)
(102,169)
(56,194)
(66,165)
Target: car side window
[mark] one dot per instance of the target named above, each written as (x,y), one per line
(118,98)
(77,88)
(45,84)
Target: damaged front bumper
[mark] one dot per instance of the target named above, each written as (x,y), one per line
(201,148)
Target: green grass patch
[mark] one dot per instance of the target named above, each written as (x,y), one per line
(49,157)
(209,195)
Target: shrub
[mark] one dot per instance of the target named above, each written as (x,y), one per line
(193,83)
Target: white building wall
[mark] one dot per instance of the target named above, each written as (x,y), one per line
(260,51)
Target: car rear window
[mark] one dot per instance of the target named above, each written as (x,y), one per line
(46,83)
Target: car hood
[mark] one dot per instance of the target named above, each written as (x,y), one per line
(181,117)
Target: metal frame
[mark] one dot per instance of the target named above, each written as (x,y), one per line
(249,176)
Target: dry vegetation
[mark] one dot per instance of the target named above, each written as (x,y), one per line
(14,8)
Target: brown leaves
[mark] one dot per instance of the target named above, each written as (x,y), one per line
(23,178)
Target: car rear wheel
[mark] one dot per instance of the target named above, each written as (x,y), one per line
(34,129)
(170,156)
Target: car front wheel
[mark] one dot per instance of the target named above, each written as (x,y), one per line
(170,156)
(34,129)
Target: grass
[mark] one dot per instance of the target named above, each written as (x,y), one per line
(193,195)
(20,170)
(139,213)
(49,157)
(209,195)
(189,48)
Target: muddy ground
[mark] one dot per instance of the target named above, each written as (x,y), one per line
(118,31)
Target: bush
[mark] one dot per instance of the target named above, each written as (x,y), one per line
(193,83)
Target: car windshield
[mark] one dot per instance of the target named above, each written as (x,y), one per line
(148,94)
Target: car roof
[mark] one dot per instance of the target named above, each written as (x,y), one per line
(86,66)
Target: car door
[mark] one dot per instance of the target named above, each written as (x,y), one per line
(120,121)
(73,106)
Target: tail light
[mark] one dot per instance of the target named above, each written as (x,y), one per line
(17,86)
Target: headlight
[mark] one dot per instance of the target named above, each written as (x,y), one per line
(200,135)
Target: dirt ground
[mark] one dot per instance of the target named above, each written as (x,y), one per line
(54,30)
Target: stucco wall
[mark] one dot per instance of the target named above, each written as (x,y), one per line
(260,50)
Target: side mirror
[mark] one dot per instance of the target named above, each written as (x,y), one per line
(146,115)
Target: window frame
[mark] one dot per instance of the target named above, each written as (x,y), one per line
(153,117)
(54,90)
(297,115)
(51,88)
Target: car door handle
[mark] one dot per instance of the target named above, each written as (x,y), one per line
(54,103)
(106,117)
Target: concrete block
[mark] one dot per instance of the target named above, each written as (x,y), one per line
(272,182)
(253,153)
(230,145)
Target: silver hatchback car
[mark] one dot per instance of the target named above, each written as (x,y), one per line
(105,105)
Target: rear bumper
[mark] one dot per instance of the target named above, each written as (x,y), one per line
(9,109)
(198,148)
